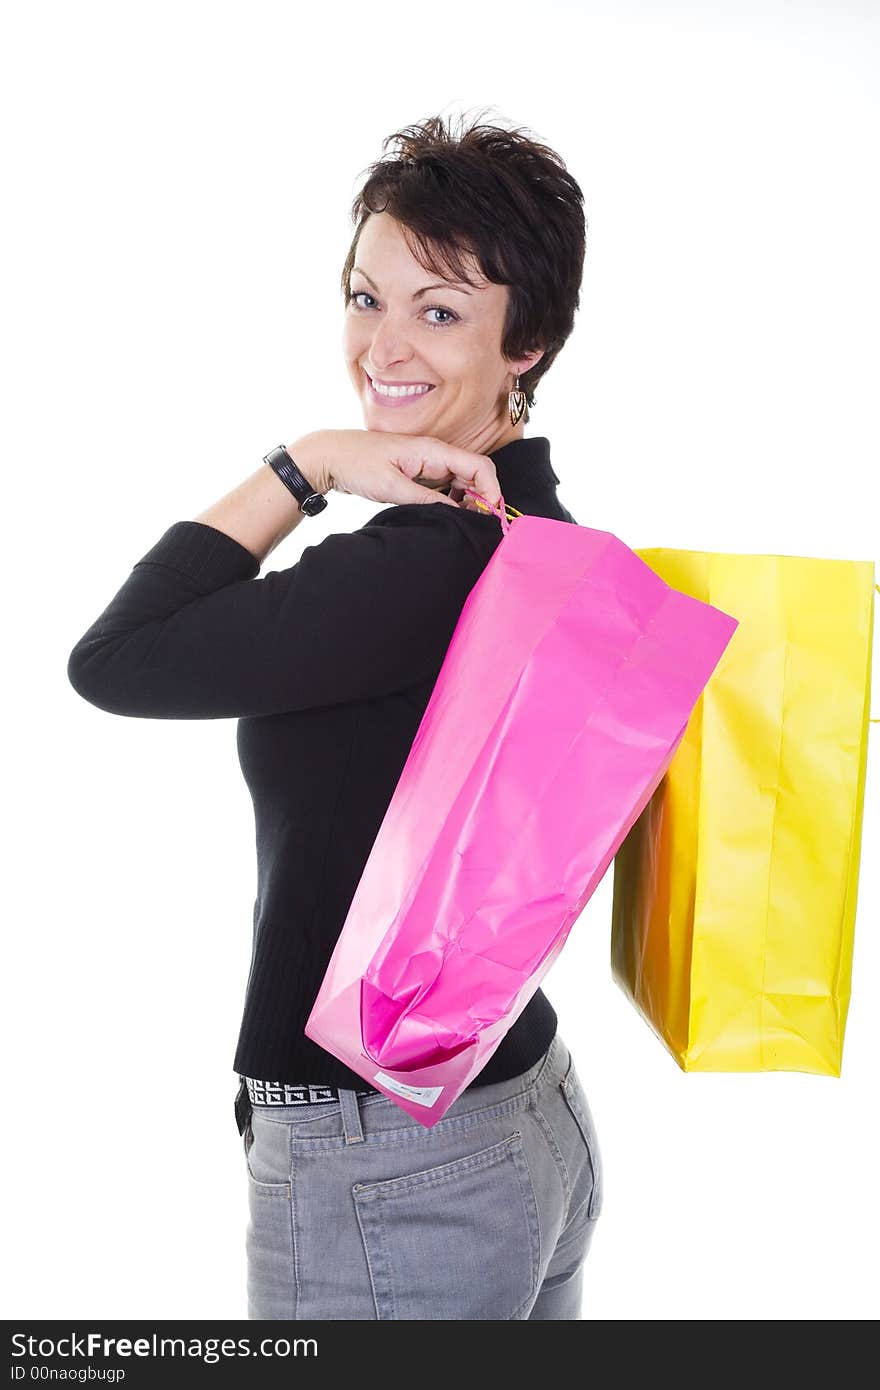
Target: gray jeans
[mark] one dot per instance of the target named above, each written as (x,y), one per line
(360,1212)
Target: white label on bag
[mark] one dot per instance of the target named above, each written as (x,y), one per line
(422,1095)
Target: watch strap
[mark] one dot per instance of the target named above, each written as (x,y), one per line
(281,463)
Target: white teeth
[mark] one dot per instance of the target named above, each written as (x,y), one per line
(398,390)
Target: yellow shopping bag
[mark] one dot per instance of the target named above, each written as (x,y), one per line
(734,895)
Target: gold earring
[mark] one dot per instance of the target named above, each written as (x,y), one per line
(516,404)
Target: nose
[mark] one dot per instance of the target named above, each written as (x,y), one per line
(389,345)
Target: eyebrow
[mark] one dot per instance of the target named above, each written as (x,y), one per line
(443,285)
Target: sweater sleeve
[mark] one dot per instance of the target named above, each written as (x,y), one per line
(193,634)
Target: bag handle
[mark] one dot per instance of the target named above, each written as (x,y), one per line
(500,511)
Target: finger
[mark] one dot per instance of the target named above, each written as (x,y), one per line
(400,490)
(415,458)
(474,471)
(436,461)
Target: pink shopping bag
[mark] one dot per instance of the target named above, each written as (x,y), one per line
(565,690)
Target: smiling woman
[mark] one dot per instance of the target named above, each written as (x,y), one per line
(461,284)
(453,299)
(440,362)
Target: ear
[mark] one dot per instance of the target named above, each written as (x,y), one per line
(522,364)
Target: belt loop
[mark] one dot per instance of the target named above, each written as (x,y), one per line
(351,1116)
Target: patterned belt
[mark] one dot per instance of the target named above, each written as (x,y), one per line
(295,1092)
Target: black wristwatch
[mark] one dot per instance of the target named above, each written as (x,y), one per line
(310,501)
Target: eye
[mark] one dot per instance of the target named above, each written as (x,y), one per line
(357,294)
(438,309)
(451,317)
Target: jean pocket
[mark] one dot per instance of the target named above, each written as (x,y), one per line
(271,1266)
(263,1178)
(456,1241)
(575,1099)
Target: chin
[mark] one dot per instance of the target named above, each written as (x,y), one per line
(381,426)
(389,426)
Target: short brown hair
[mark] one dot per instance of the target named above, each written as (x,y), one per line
(500,196)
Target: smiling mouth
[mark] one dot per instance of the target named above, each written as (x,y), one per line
(397,392)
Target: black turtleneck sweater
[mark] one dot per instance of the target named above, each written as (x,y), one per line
(328,667)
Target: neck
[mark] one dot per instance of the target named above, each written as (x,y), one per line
(508,436)
(493,436)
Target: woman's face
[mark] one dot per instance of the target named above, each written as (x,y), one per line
(406,327)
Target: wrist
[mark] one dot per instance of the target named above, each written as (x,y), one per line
(310,454)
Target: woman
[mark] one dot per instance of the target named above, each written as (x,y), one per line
(460,286)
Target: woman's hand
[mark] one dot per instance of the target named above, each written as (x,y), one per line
(384,467)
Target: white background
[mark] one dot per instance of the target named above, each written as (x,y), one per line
(177,181)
